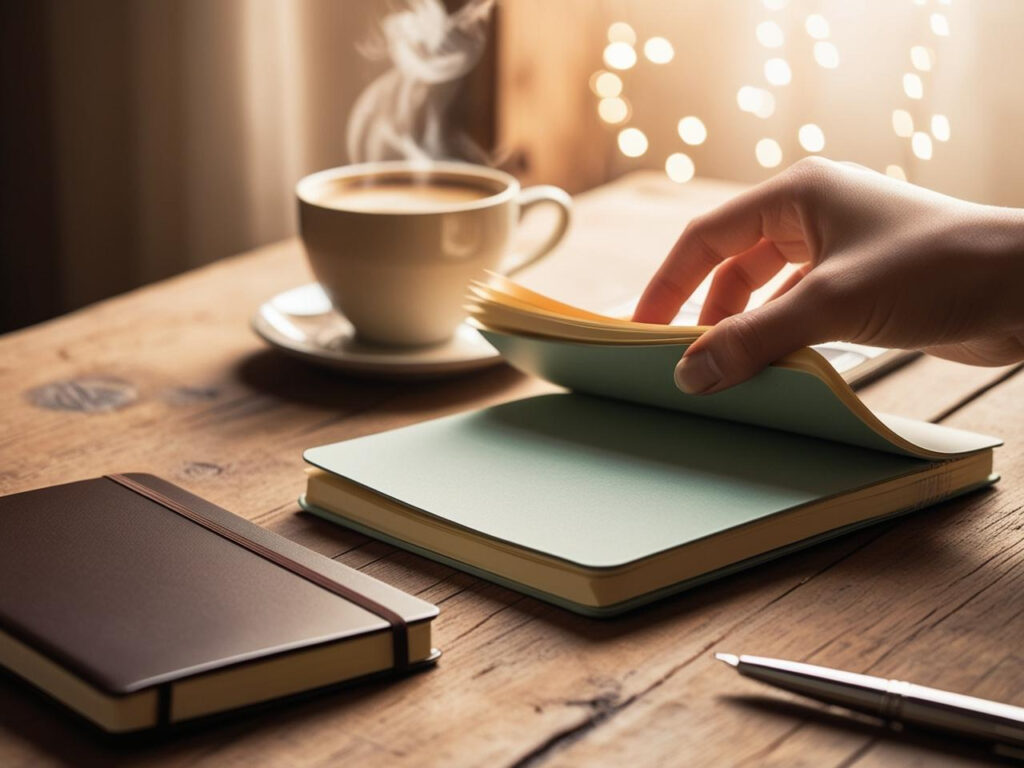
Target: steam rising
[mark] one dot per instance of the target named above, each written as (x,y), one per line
(401,115)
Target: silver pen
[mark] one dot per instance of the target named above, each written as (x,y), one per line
(892,700)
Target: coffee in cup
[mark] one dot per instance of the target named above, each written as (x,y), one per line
(396,244)
(402,196)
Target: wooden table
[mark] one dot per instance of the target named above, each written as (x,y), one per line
(169,379)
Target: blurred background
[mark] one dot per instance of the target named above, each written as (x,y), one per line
(141,138)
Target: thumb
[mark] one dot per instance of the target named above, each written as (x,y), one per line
(744,344)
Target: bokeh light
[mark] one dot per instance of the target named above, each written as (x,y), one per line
(621,32)
(826,54)
(632,142)
(811,137)
(817,26)
(895,172)
(777,72)
(757,101)
(619,55)
(623,52)
(902,123)
(658,50)
(921,58)
(769,34)
(921,144)
(606,84)
(912,86)
(613,110)
(692,130)
(679,167)
(768,153)
(940,24)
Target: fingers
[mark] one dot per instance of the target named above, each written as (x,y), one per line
(707,241)
(739,277)
(776,210)
(999,350)
(791,281)
(742,345)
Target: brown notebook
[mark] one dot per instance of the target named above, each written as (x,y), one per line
(138,604)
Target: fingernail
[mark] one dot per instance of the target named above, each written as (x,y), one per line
(697,373)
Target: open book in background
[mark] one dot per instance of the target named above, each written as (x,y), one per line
(624,489)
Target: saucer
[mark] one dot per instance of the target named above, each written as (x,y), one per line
(301,322)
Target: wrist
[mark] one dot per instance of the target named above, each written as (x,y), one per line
(1000,236)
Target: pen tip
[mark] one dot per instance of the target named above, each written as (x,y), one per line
(731,659)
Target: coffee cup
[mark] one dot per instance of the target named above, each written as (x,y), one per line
(395,244)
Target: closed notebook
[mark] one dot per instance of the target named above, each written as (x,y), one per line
(624,489)
(138,604)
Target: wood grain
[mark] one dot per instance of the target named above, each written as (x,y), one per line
(937,597)
(569,146)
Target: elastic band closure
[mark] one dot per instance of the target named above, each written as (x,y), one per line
(399,627)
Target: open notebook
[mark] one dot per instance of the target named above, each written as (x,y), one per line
(624,489)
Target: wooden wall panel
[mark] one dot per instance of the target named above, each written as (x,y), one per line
(545,111)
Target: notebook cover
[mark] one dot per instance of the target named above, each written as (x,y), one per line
(129,594)
(601,483)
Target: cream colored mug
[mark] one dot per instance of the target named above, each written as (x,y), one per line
(396,244)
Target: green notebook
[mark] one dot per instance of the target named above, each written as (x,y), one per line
(626,490)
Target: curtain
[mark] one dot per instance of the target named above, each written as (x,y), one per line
(146,137)
(181,127)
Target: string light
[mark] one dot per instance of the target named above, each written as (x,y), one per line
(921,58)
(679,167)
(692,130)
(826,54)
(619,55)
(940,24)
(622,53)
(912,86)
(811,137)
(921,144)
(632,142)
(621,32)
(895,172)
(768,153)
(658,50)
(777,72)
(757,101)
(606,84)
(817,26)
(902,123)
(613,110)
(770,35)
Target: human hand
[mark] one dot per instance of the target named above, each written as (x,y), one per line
(883,262)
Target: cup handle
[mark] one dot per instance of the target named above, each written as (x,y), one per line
(539,195)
